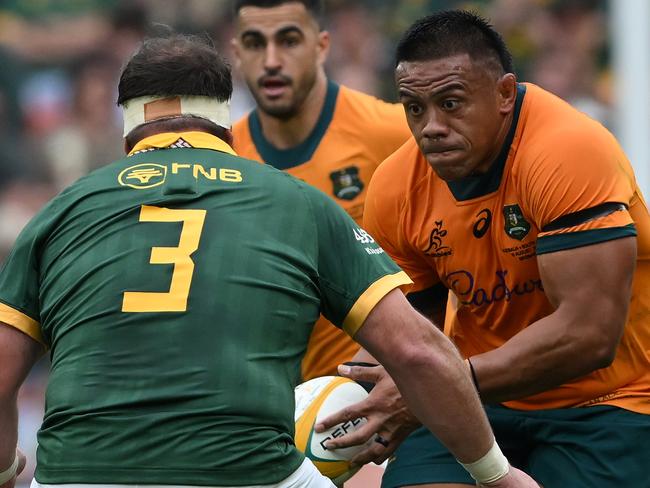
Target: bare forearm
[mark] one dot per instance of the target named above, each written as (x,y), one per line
(543,356)
(9,429)
(429,374)
(440,393)
(363,356)
(18,353)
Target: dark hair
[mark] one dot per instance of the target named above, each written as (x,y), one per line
(454,32)
(176,65)
(315,7)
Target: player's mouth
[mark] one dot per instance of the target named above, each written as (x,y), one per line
(440,151)
(274,87)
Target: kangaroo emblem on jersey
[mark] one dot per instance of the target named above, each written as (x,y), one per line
(515,225)
(436,247)
(347,184)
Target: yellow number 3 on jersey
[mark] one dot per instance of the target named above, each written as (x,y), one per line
(175,300)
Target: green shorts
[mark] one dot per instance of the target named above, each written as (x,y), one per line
(590,447)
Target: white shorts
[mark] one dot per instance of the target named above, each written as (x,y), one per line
(306,476)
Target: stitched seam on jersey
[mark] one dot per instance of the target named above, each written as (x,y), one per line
(320,279)
(560,242)
(303,191)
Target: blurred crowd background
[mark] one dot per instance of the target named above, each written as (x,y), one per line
(60,61)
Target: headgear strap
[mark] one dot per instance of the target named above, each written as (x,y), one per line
(138,111)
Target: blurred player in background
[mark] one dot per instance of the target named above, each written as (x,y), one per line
(176,290)
(326,134)
(533,219)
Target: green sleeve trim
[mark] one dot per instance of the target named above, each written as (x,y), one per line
(560,242)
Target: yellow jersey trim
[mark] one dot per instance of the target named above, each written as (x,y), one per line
(196,139)
(367,301)
(22,322)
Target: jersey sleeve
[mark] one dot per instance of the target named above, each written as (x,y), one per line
(354,273)
(19,285)
(382,218)
(579,191)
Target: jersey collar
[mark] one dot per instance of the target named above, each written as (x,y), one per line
(197,140)
(303,152)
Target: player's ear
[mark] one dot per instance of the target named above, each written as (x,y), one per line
(323,46)
(234,46)
(507,93)
(127,147)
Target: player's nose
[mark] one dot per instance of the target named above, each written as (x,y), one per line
(435,126)
(272,58)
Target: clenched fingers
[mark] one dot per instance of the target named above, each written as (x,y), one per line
(346,414)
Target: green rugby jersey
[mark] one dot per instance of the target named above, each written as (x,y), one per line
(177,289)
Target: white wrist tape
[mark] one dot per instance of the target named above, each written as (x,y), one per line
(10,472)
(490,468)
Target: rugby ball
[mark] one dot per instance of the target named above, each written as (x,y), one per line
(317,399)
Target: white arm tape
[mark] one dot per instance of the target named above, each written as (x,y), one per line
(490,468)
(10,472)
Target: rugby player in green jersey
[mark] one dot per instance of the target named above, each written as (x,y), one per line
(175,291)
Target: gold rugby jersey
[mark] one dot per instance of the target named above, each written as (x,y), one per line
(480,237)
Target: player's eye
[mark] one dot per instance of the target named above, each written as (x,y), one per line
(253,42)
(450,104)
(414,109)
(290,41)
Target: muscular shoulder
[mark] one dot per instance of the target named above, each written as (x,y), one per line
(556,134)
(566,161)
(371,119)
(369,107)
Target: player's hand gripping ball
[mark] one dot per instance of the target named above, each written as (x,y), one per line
(315,400)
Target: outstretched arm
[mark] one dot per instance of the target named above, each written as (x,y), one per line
(430,374)
(390,411)
(434,382)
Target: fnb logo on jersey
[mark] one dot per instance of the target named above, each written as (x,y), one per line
(144,175)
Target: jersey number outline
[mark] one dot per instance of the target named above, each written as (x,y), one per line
(175,300)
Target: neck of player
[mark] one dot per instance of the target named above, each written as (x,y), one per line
(289,132)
